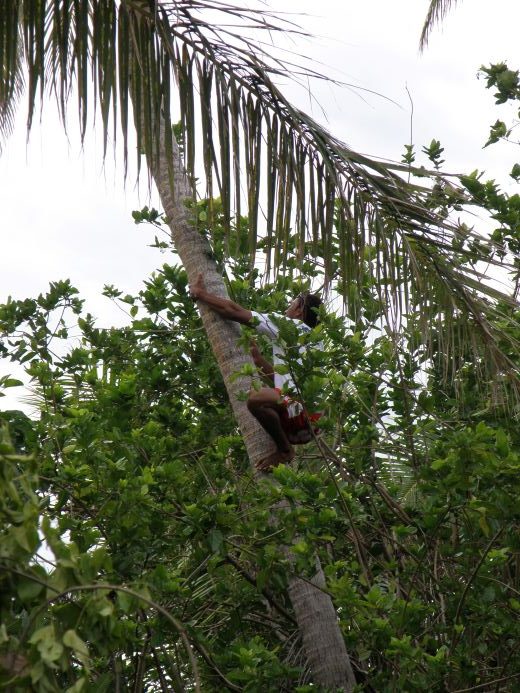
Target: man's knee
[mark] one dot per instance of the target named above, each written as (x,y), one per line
(260,399)
(254,401)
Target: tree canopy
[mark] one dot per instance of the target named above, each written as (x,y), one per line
(244,142)
(137,552)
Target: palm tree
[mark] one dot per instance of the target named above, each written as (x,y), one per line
(263,156)
(259,153)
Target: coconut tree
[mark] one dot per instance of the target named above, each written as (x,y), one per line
(205,64)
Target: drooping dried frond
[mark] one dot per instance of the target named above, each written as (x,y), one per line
(436,12)
(205,62)
(11,71)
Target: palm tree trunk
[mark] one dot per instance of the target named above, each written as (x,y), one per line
(196,256)
(319,629)
(313,608)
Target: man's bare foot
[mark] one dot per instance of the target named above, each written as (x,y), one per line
(275,459)
(268,463)
(285,457)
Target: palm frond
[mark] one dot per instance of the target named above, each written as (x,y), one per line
(11,68)
(201,62)
(437,10)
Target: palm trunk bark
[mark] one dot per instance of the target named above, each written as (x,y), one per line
(315,614)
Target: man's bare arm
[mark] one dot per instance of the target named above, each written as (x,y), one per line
(223,306)
(265,368)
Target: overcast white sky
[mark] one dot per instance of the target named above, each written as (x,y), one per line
(64,216)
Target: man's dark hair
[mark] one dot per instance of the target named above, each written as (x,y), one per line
(310,306)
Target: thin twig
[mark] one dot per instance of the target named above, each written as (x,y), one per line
(481,686)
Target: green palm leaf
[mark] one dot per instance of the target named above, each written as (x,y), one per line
(262,156)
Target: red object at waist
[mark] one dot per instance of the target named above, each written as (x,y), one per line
(303,415)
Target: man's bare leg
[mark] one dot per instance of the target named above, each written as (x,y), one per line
(264,405)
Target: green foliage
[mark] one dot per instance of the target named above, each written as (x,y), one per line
(504,208)
(136,550)
(409,154)
(434,152)
(131,520)
(504,80)
(498,130)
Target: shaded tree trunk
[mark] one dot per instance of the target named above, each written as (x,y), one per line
(315,614)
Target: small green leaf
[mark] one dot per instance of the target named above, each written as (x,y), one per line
(72,640)
(125,602)
(11,382)
(281,369)
(484,525)
(3,634)
(301,547)
(497,131)
(41,634)
(48,647)
(215,539)
(28,589)
(26,537)
(513,603)
(502,443)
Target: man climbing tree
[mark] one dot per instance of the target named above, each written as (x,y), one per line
(280,414)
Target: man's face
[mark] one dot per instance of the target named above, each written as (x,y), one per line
(295,309)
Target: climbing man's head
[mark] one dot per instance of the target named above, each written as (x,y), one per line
(310,306)
(305,307)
